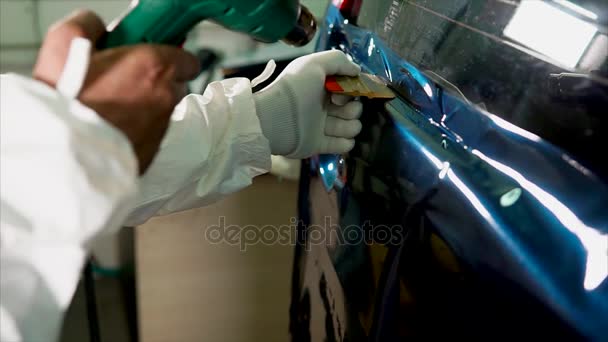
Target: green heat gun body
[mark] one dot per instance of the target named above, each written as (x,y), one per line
(169,21)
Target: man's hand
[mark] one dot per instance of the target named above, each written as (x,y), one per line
(135,88)
(300,118)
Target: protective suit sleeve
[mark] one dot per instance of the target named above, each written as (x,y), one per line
(66,175)
(214,147)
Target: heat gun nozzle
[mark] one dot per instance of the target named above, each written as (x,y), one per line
(304,30)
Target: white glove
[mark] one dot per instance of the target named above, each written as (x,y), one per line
(300,118)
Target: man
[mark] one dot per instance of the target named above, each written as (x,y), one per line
(77,135)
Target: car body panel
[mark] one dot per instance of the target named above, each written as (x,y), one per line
(521,219)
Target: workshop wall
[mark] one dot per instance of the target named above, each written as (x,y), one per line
(23,24)
(193,289)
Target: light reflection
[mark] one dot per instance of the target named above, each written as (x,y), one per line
(407,135)
(322,170)
(444,170)
(473,199)
(330,167)
(432,157)
(114,23)
(509,198)
(594,242)
(578,9)
(387,66)
(419,77)
(550,31)
(428,90)
(468,193)
(371,47)
(514,129)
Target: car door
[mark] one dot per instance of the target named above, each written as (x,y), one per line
(472,204)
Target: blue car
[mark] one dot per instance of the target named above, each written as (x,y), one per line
(474,204)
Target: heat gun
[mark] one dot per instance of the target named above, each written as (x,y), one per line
(168,21)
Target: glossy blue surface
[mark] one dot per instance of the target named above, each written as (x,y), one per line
(504,199)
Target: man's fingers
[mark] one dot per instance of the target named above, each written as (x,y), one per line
(54,51)
(340,99)
(351,110)
(82,23)
(336,127)
(335,62)
(184,65)
(336,145)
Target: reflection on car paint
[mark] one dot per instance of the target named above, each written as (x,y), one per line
(594,241)
(525,191)
(332,170)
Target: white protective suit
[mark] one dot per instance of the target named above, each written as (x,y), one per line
(67,175)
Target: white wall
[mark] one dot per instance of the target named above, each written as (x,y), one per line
(26,21)
(23,24)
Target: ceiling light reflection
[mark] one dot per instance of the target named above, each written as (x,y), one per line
(550,31)
(594,242)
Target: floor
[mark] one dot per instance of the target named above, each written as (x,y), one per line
(190,289)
